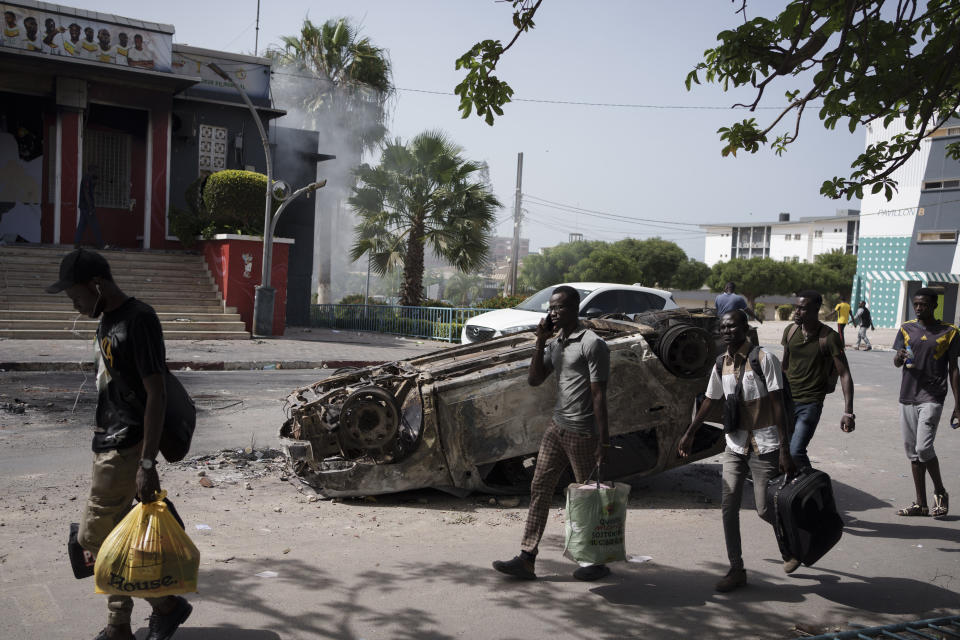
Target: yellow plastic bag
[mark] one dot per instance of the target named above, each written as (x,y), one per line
(147,555)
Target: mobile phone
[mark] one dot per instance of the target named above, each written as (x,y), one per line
(548,323)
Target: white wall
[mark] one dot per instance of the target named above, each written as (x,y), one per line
(782,249)
(894,218)
(833,237)
(716,245)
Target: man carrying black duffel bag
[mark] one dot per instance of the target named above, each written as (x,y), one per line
(131,407)
(747,385)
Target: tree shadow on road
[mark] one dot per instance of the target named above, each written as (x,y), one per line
(851,499)
(329,608)
(218,633)
(910,529)
(888,595)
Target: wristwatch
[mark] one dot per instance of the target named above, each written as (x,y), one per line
(147,463)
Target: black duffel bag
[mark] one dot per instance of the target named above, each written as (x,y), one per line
(804,514)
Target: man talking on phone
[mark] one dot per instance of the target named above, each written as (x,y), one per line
(577,436)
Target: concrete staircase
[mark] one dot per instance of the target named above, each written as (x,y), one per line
(177,285)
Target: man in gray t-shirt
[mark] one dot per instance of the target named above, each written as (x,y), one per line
(577,436)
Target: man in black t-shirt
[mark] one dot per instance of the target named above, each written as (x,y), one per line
(129,422)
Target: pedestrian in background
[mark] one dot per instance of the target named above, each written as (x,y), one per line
(927,349)
(863,322)
(813,361)
(730,300)
(757,443)
(129,422)
(842,311)
(88,208)
(577,436)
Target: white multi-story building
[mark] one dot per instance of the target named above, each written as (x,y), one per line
(784,240)
(911,241)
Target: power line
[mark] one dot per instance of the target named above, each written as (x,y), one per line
(238,36)
(552,224)
(624,105)
(579,103)
(607,214)
(643,224)
(623,220)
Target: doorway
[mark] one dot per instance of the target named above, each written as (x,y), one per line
(115,151)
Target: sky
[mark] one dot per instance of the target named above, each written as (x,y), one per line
(661,163)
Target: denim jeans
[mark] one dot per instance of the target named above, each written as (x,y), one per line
(806,416)
(762,467)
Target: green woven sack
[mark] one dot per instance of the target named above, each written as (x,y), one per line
(596,515)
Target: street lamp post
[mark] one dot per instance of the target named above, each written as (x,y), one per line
(263,299)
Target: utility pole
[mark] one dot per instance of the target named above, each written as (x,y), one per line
(256,37)
(515,247)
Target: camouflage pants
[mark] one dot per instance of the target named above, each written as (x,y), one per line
(558,450)
(113,486)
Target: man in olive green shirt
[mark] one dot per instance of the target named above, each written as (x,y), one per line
(807,365)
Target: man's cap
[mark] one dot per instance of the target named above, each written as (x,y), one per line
(80,266)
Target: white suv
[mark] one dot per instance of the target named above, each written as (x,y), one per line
(596,298)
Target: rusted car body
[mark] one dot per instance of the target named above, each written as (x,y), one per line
(464,419)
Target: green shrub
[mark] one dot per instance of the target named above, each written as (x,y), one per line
(435,303)
(785,312)
(759,310)
(234,199)
(502,302)
(357,298)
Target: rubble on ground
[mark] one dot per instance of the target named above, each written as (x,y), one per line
(233,466)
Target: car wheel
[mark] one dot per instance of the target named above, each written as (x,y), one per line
(685,350)
(369,420)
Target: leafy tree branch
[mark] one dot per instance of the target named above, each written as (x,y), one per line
(480,90)
(869,65)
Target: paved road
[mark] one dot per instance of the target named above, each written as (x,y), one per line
(235,409)
(417,565)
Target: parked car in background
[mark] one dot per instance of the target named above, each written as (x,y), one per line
(464,419)
(596,299)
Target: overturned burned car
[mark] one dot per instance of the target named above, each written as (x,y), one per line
(464,419)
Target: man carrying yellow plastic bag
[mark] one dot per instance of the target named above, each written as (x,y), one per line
(129,423)
(147,555)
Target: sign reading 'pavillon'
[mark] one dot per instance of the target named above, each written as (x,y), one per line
(73,36)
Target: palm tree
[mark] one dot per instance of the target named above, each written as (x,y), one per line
(422,193)
(353,78)
(463,288)
(343,83)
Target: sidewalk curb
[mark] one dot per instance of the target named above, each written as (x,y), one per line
(199,366)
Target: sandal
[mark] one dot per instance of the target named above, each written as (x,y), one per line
(914,510)
(941,504)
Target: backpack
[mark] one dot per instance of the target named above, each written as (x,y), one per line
(830,385)
(754,359)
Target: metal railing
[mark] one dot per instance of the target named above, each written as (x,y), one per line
(931,629)
(434,323)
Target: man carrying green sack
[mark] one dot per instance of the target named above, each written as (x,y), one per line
(755,429)
(578,435)
(596,517)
